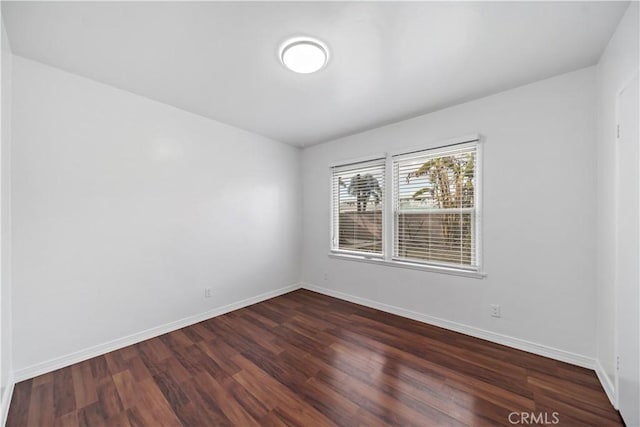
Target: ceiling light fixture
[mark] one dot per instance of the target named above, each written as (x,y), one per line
(304,55)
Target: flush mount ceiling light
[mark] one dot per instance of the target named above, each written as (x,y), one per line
(304,55)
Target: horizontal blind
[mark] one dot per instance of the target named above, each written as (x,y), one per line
(358,207)
(435,206)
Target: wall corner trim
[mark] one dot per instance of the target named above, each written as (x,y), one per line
(606,382)
(100,349)
(6,399)
(517,343)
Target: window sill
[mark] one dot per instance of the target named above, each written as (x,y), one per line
(409,265)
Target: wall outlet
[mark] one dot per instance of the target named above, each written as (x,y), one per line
(325,276)
(207,292)
(495,310)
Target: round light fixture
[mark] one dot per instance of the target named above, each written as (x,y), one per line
(304,55)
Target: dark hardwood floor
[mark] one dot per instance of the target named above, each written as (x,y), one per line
(304,359)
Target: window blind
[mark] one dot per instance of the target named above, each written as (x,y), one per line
(358,207)
(435,206)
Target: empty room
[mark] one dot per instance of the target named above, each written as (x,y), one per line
(323,213)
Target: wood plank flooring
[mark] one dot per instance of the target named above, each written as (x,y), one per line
(304,359)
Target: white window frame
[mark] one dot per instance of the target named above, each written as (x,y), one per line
(332,237)
(388,228)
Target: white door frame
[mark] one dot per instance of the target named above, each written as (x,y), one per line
(616,338)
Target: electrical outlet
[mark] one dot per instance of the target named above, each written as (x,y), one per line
(207,292)
(325,276)
(495,310)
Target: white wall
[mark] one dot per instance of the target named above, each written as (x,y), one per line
(125,209)
(6,368)
(539,217)
(617,66)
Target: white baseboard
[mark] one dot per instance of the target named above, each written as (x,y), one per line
(520,344)
(606,382)
(97,350)
(6,399)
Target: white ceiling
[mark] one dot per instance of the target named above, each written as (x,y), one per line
(389,60)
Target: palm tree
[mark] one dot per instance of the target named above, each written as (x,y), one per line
(451,186)
(363,187)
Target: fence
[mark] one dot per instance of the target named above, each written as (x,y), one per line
(441,237)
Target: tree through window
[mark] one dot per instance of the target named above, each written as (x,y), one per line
(358,202)
(435,206)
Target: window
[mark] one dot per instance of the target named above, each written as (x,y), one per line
(358,207)
(435,212)
(428,218)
